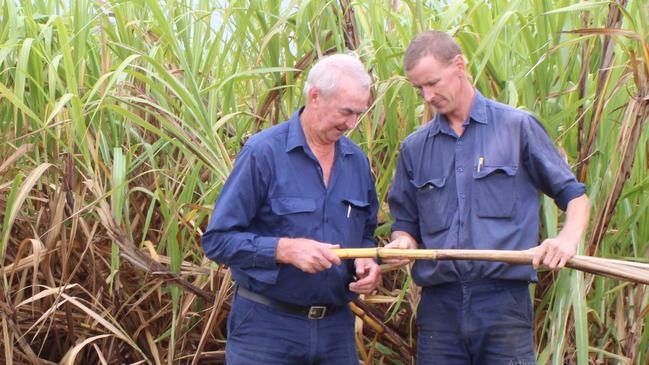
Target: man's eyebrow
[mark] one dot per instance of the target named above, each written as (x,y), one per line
(352,111)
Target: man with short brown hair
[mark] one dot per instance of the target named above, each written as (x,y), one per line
(471,179)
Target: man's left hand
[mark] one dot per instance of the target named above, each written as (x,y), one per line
(368,273)
(554,252)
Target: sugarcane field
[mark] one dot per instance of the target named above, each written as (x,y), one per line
(338,182)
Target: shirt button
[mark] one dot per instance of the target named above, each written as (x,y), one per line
(460,169)
(459,142)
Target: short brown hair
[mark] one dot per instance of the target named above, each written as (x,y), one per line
(431,43)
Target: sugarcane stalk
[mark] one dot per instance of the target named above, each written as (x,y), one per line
(617,269)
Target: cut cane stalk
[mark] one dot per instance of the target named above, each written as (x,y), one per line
(617,269)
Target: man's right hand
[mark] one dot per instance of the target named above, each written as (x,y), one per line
(305,254)
(401,240)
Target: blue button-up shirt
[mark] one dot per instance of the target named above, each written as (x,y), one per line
(478,191)
(275,190)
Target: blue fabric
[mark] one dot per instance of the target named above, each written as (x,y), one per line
(258,334)
(446,198)
(481,322)
(276,190)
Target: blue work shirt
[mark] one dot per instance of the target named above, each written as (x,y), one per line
(275,190)
(478,191)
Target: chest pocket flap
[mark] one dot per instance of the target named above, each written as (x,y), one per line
(357,203)
(430,183)
(286,205)
(488,170)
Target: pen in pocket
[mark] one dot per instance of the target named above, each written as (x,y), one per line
(349,210)
(480,163)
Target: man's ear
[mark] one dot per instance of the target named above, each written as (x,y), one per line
(460,63)
(313,96)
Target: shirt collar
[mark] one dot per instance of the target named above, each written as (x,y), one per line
(296,138)
(478,113)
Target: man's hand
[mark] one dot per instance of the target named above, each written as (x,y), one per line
(305,254)
(556,252)
(401,240)
(368,273)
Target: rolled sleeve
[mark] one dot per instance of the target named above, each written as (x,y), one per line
(547,168)
(570,192)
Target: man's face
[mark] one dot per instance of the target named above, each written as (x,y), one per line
(339,112)
(439,83)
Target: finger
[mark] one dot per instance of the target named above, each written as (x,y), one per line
(366,286)
(399,262)
(406,244)
(550,256)
(370,279)
(539,253)
(360,287)
(401,244)
(308,268)
(555,261)
(396,244)
(551,259)
(364,266)
(374,270)
(331,257)
(360,270)
(562,262)
(324,263)
(358,290)
(319,263)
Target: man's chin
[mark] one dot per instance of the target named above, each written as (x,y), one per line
(336,134)
(439,107)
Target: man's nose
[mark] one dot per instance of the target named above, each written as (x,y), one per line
(352,120)
(428,94)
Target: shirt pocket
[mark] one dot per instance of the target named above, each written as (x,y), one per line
(294,215)
(356,213)
(494,191)
(432,205)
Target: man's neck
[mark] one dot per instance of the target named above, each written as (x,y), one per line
(457,118)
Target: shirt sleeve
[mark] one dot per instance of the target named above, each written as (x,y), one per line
(546,167)
(370,224)
(226,240)
(401,198)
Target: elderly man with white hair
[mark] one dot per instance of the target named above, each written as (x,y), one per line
(296,191)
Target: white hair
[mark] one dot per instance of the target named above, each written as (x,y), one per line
(326,73)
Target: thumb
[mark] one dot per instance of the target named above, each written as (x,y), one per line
(360,268)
